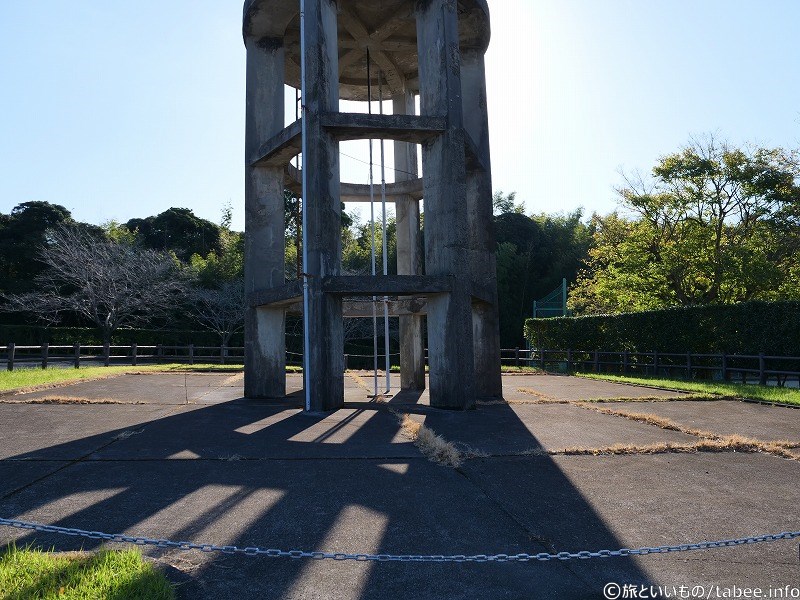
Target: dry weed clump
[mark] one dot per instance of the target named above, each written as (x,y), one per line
(433,446)
(650,419)
(540,398)
(731,443)
(65,400)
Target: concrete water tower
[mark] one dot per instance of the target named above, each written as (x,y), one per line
(431,48)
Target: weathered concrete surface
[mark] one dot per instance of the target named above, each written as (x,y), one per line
(351,49)
(447,240)
(552,427)
(562,387)
(386,27)
(655,500)
(267,474)
(264,245)
(16,475)
(55,432)
(724,417)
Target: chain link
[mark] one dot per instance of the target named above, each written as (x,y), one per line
(339,556)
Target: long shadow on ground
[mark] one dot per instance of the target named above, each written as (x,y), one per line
(266,474)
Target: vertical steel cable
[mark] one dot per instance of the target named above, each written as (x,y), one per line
(385,248)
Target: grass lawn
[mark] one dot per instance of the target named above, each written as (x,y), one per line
(726,390)
(108,574)
(21,379)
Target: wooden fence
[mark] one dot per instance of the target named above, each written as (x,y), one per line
(760,368)
(76,355)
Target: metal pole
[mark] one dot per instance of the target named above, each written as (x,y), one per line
(372,234)
(306,340)
(385,248)
(564,296)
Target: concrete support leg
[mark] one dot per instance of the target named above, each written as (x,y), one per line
(409,255)
(265,344)
(486,318)
(447,239)
(324,379)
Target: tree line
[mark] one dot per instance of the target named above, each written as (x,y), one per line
(712,224)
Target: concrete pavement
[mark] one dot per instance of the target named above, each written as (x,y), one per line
(186,457)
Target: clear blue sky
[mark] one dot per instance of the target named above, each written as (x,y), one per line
(123,109)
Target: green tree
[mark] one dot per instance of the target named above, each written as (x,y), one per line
(22,234)
(534,254)
(713,225)
(178,230)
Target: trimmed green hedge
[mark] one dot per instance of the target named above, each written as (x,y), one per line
(771,328)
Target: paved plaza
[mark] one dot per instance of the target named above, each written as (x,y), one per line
(185,457)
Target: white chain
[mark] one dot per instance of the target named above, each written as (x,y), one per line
(457,558)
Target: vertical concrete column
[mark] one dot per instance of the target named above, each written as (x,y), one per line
(264,332)
(409,254)
(447,240)
(322,228)
(485,315)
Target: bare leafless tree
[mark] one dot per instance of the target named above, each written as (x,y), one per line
(221,310)
(106,283)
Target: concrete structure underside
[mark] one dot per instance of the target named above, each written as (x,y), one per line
(431,48)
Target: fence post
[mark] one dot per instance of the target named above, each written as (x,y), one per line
(159,354)
(762,374)
(45,354)
(624,362)
(726,376)
(134,352)
(191,354)
(569,360)
(542,359)
(11,351)
(346,360)
(688,365)
(596,361)
(516,357)
(106,354)
(76,350)
(655,363)
(222,351)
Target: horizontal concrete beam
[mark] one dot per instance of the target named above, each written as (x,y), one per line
(291,293)
(280,149)
(387,285)
(363,309)
(284,295)
(356,192)
(414,129)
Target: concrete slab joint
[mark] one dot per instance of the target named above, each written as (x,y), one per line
(430,48)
